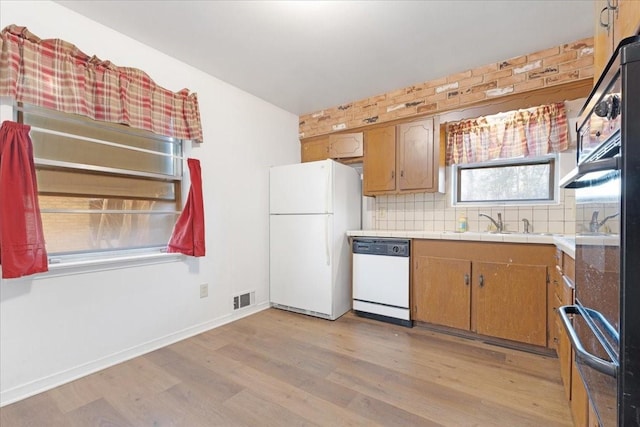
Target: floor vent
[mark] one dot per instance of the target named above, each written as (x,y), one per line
(244,300)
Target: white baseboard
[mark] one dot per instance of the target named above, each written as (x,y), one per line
(47,383)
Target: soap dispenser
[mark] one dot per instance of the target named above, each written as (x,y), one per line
(462,224)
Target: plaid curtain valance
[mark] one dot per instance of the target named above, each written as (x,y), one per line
(524,133)
(55,74)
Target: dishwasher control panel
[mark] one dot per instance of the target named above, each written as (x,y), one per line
(390,247)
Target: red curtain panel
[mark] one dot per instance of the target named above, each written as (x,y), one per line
(188,233)
(22,250)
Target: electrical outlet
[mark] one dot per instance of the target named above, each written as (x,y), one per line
(204,290)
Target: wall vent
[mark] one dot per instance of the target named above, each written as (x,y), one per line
(244,300)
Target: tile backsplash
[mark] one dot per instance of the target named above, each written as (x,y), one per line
(433,212)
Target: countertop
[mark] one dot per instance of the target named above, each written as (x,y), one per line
(564,242)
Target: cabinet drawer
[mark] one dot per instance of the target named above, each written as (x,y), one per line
(569,267)
(566,295)
(558,258)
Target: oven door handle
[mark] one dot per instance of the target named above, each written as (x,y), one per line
(600,365)
(572,180)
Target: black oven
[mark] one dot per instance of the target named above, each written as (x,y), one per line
(604,323)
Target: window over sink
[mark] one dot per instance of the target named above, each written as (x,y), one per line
(510,182)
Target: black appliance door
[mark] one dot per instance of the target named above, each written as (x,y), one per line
(595,329)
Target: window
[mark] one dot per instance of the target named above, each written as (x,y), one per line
(103,187)
(514,181)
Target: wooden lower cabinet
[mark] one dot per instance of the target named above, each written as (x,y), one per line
(444,296)
(510,301)
(564,357)
(593,418)
(579,398)
(494,289)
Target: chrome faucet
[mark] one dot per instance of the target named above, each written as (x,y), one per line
(499,225)
(526,225)
(594,225)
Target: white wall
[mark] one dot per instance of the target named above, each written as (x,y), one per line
(54,328)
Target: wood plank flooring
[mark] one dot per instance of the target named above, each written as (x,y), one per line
(277,368)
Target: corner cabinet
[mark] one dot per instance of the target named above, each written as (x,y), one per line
(402,159)
(492,289)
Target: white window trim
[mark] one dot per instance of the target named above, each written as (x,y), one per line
(77,264)
(90,262)
(507,162)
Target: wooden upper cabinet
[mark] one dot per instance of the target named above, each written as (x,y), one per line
(416,156)
(317,149)
(346,145)
(611,26)
(402,158)
(602,37)
(339,146)
(627,20)
(379,163)
(510,301)
(442,292)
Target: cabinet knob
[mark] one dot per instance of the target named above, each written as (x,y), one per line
(466,279)
(481,280)
(401,174)
(393,174)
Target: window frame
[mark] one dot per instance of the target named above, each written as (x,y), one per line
(551,159)
(126,256)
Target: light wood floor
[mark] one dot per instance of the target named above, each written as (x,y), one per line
(277,368)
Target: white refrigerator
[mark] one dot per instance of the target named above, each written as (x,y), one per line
(312,205)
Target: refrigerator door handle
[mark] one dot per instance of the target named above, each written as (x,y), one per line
(328,189)
(326,239)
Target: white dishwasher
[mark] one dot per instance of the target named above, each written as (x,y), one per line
(381,279)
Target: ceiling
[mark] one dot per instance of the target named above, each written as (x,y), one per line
(305,56)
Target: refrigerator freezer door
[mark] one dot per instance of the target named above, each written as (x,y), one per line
(304,188)
(300,262)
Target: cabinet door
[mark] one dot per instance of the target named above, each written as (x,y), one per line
(442,292)
(416,156)
(317,149)
(564,357)
(552,307)
(579,398)
(379,163)
(345,145)
(510,301)
(627,22)
(603,37)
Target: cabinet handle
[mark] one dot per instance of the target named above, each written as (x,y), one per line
(481,281)
(466,279)
(605,24)
(393,174)
(401,174)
